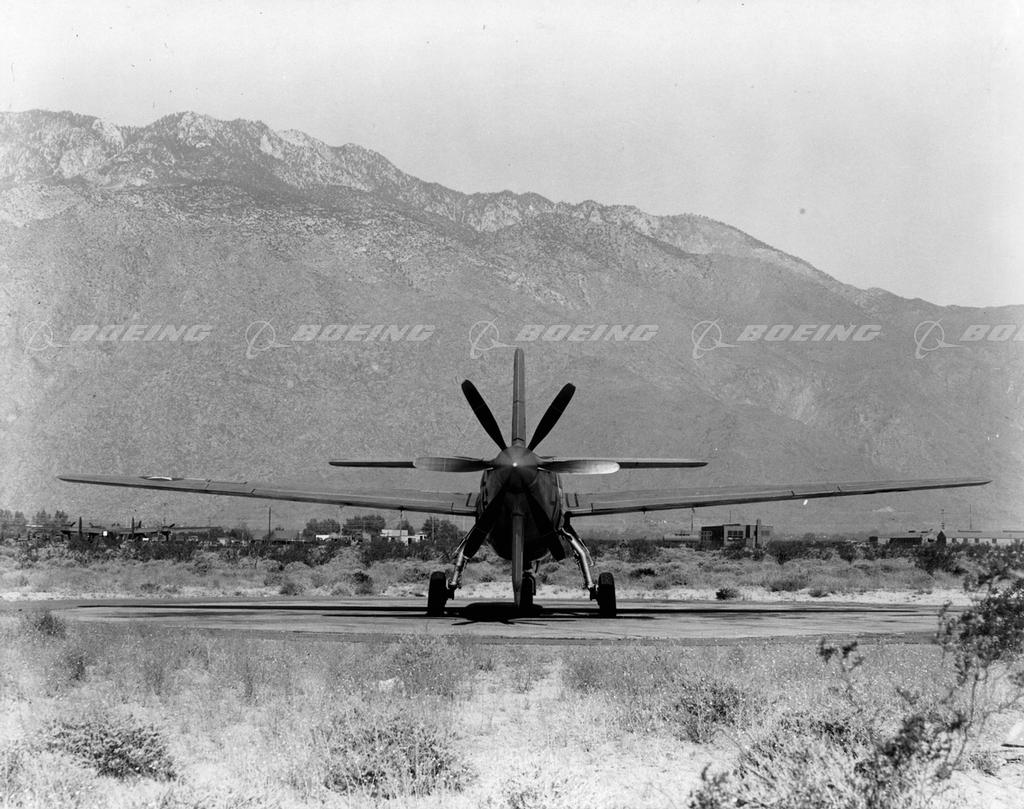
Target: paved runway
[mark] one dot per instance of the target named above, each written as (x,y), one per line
(685,622)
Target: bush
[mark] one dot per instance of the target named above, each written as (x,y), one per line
(727,593)
(640,550)
(643,573)
(652,689)
(702,706)
(387,751)
(43,623)
(118,747)
(429,665)
(289,587)
(788,582)
(362,583)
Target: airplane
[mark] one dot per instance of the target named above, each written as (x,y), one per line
(521,509)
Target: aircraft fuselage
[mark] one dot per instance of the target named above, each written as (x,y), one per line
(517,486)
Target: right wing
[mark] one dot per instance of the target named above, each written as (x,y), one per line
(580,505)
(398,500)
(631,463)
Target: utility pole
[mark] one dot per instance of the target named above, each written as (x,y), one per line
(269,534)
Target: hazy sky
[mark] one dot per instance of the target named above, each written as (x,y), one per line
(881,141)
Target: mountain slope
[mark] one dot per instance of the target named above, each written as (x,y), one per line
(234,229)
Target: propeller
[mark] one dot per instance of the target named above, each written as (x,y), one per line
(483,413)
(553,414)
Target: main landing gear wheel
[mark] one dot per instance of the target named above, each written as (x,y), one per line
(437,594)
(606,595)
(527,593)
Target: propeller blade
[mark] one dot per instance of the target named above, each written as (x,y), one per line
(458,463)
(580,466)
(552,414)
(483,413)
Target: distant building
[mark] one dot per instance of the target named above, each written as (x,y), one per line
(734,535)
(971,536)
(401,535)
(959,536)
(683,538)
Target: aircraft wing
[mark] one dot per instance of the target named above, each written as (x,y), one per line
(398,500)
(633,463)
(579,505)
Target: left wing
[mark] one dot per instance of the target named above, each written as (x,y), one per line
(399,500)
(579,505)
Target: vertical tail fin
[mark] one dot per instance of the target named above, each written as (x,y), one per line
(519,399)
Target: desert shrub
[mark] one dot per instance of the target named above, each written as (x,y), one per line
(43,624)
(379,549)
(727,593)
(273,578)
(788,582)
(652,689)
(643,573)
(535,786)
(933,558)
(847,551)
(871,759)
(362,583)
(819,591)
(386,751)
(701,706)
(115,746)
(13,760)
(318,578)
(785,550)
(640,550)
(429,665)
(70,664)
(413,575)
(290,587)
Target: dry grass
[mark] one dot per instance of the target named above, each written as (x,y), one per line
(55,573)
(127,716)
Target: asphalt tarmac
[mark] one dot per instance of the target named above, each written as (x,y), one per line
(556,622)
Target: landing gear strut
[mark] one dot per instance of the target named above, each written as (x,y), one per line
(604,591)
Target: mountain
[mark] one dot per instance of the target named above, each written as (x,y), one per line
(209,252)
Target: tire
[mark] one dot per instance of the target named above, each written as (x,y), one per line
(437,594)
(606,606)
(526,594)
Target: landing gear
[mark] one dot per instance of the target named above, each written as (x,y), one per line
(604,591)
(606,595)
(526,595)
(437,594)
